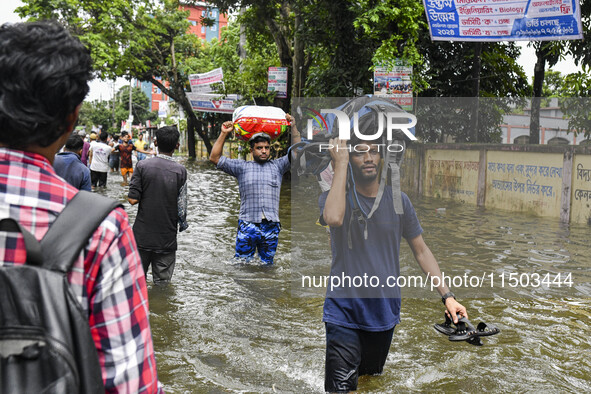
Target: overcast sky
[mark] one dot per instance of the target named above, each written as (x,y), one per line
(104,90)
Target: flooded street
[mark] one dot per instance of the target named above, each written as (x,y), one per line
(227,327)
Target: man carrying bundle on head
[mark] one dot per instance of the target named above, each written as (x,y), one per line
(259,182)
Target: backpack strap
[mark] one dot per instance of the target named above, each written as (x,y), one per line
(32,246)
(72,229)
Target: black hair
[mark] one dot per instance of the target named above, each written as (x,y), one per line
(124,133)
(167,137)
(103,136)
(44,74)
(74,143)
(259,138)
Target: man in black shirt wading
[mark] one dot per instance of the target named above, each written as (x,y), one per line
(159,186)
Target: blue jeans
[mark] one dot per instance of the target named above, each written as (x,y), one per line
(262,236)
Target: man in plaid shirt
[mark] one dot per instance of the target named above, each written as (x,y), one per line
(44,74)
(259,182)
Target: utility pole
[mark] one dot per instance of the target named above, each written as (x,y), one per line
(113,102)
(130,117)
(242,42)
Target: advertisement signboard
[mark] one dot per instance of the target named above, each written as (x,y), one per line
(499,20)
(394,81)
(277,81)
(202,83)
(203,102)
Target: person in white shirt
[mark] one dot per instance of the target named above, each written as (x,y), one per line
(98,158)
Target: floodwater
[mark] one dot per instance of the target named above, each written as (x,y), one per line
(225,327)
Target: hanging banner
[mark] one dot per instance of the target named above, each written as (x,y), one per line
(500,20)
(212,102)
(277,81)
(162,109)
(201,83)
(394,81)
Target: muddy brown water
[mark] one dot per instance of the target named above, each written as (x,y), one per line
(225,327)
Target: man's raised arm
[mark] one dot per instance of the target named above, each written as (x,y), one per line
(295,134)
(334,208)
(216,151)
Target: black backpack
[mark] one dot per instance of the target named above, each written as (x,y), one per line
(308,158)
(45,340)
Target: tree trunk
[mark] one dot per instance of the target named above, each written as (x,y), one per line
(298,57)
(286,60)
(534,122)
(192,127)
(177,93)
(476,90)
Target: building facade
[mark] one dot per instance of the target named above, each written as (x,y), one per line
(199,12)
(553,128)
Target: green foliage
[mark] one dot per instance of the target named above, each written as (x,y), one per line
(142,39)
(448,70)
(442,117)
(553,81)
(95,113)
(141,106)
(329,47)
(340,51)
(394,25)
(246,77)
(576,101)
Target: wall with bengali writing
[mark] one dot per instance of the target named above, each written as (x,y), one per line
(581,190)
(540,180)
(451,174)
(521,178)
(526,182)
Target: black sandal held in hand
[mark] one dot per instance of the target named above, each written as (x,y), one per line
(465,331)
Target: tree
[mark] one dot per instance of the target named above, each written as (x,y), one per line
(132,38)
(95,113)
(245,77)
(575,101)
(340,53)
(394,26)
(546,52)
(281,20)
(447,70)
(141,110)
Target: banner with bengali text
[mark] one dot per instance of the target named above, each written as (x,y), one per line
(204,102)
(394,80)
(277,81)
(500,20)
(202,83)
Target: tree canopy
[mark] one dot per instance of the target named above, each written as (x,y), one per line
(329,48)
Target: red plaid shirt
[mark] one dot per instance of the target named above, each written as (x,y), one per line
(107,279)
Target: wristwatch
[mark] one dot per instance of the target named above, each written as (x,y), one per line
(446,296)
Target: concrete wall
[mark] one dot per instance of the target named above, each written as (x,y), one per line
(581,189)
(541,180)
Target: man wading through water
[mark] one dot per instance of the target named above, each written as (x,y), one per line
(360,322)
(259,182)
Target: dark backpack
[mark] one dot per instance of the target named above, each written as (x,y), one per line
(309,159)
(45,340)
